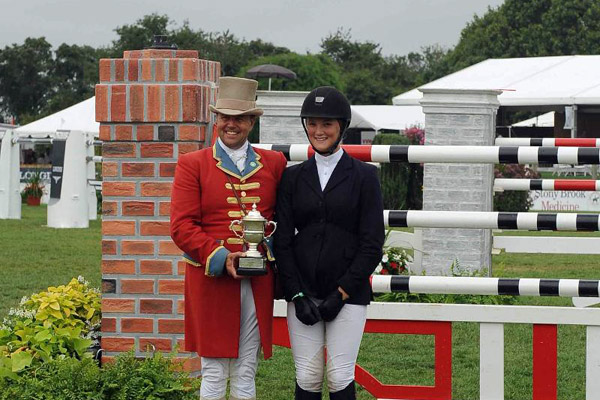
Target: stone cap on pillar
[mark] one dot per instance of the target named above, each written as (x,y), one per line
(160,53)
(275,102)
(458,98)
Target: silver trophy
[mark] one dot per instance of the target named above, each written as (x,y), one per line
(253,233)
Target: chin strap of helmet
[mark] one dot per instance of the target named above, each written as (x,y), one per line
(343,127)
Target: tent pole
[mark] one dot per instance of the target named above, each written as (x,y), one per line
(574,129)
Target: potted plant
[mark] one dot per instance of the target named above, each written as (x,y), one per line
(33,191)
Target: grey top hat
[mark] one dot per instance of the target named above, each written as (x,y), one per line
(237,96)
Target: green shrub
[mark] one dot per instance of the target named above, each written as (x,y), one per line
(401,183)
(156,377)
(34,186)
(59,323)
(153,378)
(513,200)
(60,379)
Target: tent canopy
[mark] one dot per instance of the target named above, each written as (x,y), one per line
(78,117)
(386,117)
(531,81)
(82,117)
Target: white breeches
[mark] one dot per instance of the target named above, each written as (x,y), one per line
(242,370)
(341,337)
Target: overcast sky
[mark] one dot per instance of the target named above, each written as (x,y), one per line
(399,26)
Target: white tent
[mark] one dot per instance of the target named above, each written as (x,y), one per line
(78,117)
(386,117)
(82,117)
(532,81)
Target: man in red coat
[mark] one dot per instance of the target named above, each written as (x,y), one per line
(228,318)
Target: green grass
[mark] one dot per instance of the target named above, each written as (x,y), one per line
(33,257)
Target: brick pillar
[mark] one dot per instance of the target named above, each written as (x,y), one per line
(152,105)
(458,117)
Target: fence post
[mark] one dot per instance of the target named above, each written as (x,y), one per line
(10,194)
(458,117)
(152,106)
(91,175)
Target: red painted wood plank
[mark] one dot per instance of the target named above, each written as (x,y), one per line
(544,362)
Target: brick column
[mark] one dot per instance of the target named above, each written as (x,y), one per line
(458,117)
(152,105)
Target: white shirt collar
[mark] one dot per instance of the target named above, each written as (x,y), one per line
(326,165)
(236,153)
(330,160)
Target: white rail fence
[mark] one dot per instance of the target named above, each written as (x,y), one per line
(437,320)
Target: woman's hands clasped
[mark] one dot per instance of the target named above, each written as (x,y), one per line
(306,311)
(331,306)
(309,314)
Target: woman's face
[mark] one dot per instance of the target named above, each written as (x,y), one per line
(323,132)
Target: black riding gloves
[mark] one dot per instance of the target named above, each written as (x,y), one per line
(306,310)
(331,306)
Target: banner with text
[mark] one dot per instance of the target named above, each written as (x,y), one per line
(564,200)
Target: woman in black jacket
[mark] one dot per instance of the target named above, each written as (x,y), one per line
(328,241)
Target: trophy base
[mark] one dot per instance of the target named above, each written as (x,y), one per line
(252,266)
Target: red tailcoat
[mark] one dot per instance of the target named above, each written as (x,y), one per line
(202,207)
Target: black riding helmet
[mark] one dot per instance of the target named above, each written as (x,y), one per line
(327,102)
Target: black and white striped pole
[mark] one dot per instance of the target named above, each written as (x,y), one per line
(484,286)
(492,220)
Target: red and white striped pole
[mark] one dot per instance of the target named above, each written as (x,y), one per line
(548,142)
(547,184)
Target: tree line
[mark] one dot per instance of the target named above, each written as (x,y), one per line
(36,80)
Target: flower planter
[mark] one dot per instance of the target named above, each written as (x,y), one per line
(33,201)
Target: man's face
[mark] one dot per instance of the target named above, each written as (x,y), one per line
(234,129)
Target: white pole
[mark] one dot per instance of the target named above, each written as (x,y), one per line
(10,195)
(574,129)
(71,210)
(91,176)
(592,364)
(491,361)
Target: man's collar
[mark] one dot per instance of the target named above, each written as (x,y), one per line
(225,163)
(229,151)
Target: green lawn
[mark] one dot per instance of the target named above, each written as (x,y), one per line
(33,257)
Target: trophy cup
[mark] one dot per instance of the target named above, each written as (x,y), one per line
(253,233)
